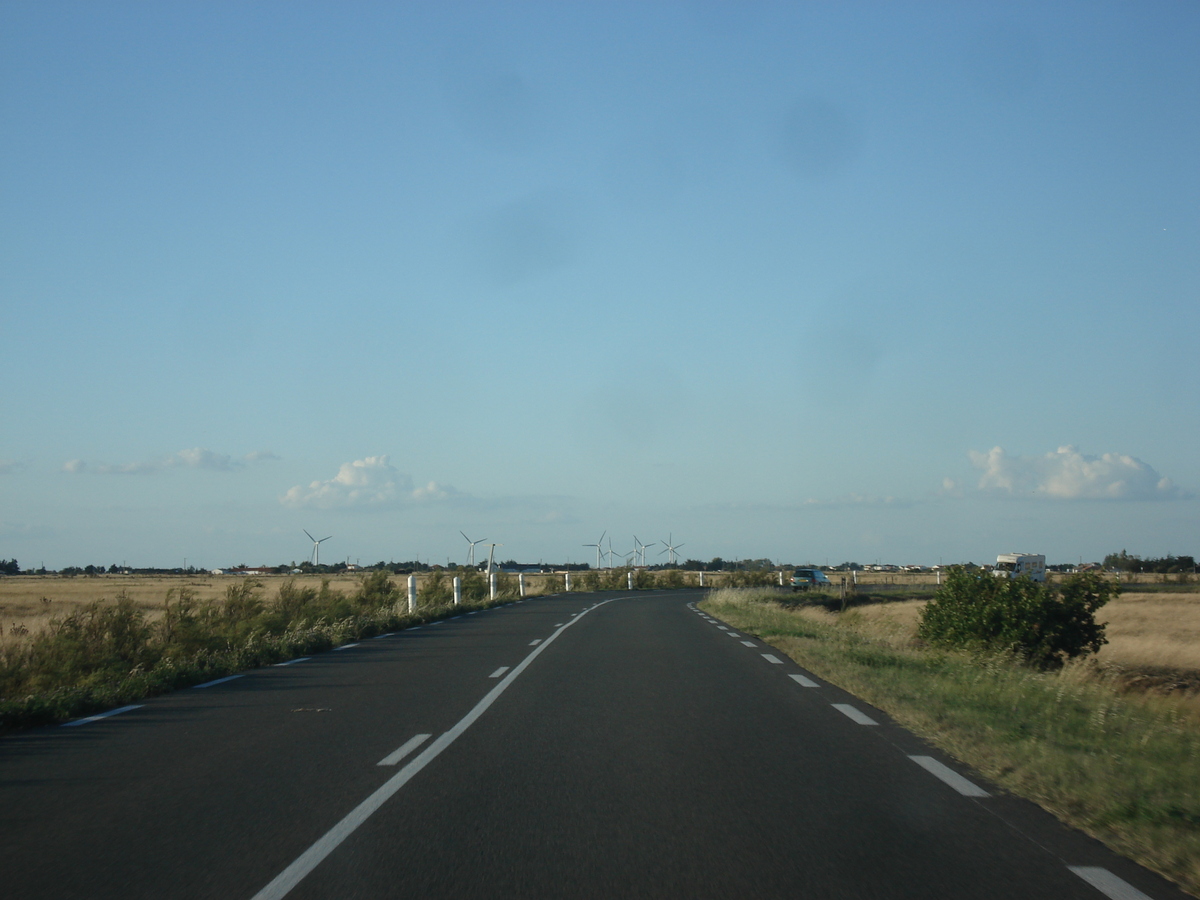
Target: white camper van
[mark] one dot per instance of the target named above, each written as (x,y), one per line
(1011,565)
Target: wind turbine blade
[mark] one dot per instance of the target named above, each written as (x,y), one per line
(310,537)
(467,539)
(324,539)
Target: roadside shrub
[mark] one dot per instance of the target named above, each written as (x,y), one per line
(671,578)
(378,591)
(1043,626)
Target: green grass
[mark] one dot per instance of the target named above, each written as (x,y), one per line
(1125,769)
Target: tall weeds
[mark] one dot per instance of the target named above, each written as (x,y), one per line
(107,654)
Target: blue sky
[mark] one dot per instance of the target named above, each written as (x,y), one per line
(909,282)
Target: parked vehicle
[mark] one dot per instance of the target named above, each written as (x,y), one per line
(803,579)
(1012,565)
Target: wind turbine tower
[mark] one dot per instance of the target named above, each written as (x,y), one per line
(316,554)
(670,548)
(598,545)
(471,552)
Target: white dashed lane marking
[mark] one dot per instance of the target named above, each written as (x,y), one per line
(949,776)
(855,715)
(292,662)
(345,646)
(500,671)
(1107,883)
(749,644)
(406,748)
(772,658)
(209,684)
(803,682)
(535,642)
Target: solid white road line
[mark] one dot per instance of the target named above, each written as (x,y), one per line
(771,658)
(208,684)
(803,682)
(282,884)
(345,646)
(748,643)
(860,717)
(406,748)
(1107,883)
(535,642)
(500,671)
(103,715)
(948,775)
(292,662)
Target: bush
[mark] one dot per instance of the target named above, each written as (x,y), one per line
(979,612)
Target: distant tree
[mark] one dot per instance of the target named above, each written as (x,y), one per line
(716,564)
(9,567)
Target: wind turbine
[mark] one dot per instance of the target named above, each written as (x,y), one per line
(471,552)
(641,548)
(597,545)
(671,548)
(316,554)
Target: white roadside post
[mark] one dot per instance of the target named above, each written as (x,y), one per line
(457,591)
(630,580)
(567,581)
(412,593)
(781,577)
(521,583)
(492,585)
(702,579)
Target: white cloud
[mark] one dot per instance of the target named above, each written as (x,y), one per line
(199,458)
(194,458)
(1067,474)
(372,481)
(369,482)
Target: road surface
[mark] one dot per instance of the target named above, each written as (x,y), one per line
(582,745)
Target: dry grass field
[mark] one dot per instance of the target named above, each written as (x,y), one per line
(29,602)
(1153,638)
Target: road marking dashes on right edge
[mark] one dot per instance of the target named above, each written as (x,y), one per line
(803,682)
(345,646)
(292,662)
(1107,883)
(500,671)
(949,776)
(772,658)
(535,642)
(749,644)
(850,712)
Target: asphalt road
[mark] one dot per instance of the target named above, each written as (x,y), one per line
(583,745)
